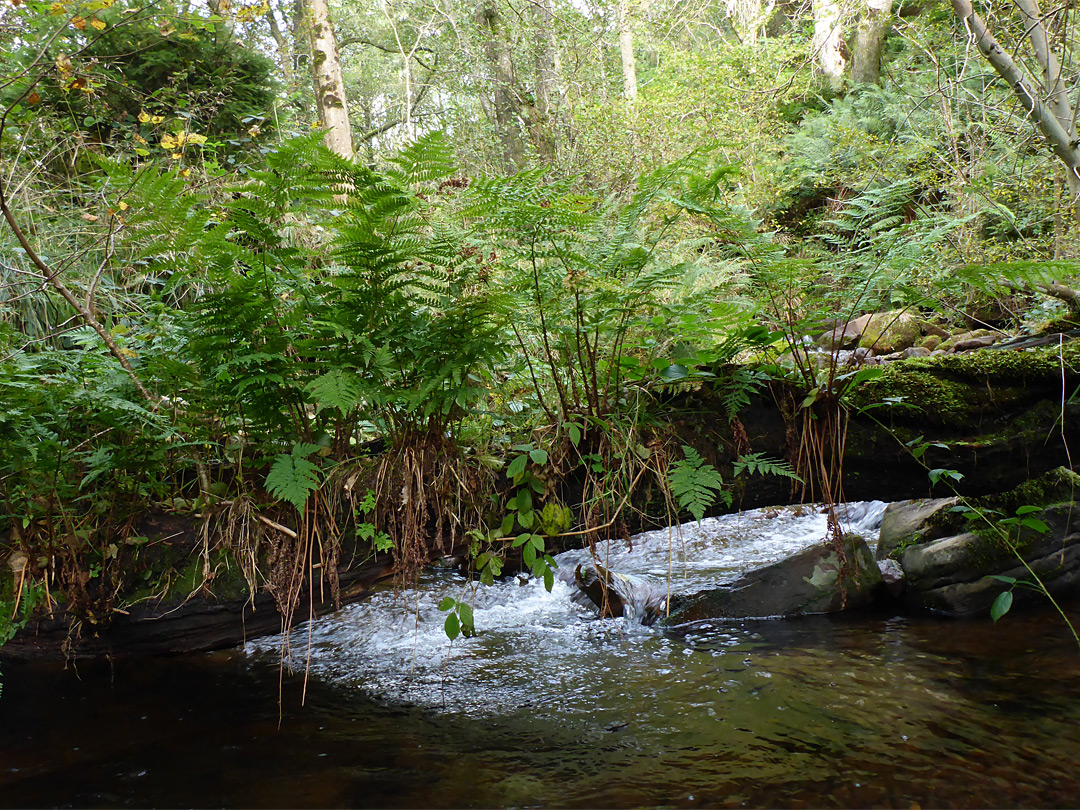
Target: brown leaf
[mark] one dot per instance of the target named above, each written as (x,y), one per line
(79,23)
(90,217)
(33,98)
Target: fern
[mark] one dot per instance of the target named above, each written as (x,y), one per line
(336,389)
(600,292)
(293,477)
(696,484)
(737,389)
(760,464)
(1001,278)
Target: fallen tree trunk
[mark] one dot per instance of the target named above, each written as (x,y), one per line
(995,417)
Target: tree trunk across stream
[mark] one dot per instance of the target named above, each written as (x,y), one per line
(996,418)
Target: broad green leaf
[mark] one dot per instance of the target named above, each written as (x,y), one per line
(452,626)
(1001,605)
(524,500)
(517,466)
(574,432)
(1035,525)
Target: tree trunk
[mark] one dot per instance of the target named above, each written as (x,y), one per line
(870,41)
(626,50)
(829,49)
(504,104)
(550,92)
(1046,101)
(329,84)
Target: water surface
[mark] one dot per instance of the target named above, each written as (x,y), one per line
(551,707)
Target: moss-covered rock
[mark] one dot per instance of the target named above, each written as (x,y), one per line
(888,332)
(953,553)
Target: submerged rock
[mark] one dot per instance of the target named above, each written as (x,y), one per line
(618,594)
(820,579)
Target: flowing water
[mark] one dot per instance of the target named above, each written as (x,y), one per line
(549,706)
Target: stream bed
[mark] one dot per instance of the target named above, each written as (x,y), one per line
(549,706)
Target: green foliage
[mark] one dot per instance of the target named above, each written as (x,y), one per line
(293,476)
(17,609)
(459,620)
(695,483)
(760,464)
(736,388)
(131,79)
(366,530)
(600,302)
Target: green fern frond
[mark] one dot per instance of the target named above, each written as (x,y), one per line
(336,389)
(695,484)
(293,477)
(760,464)
(430,157)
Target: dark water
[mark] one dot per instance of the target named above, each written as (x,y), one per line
(550,707)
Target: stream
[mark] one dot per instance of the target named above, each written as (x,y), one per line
(549,706)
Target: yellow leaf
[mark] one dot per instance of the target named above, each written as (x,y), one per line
(168,141)
(79,23)
(144,118)
(185,172)
(57,9)
(140,138)
(176,156)
(123,206)
(98,24)
(196,139)
(63,64)
(157,119)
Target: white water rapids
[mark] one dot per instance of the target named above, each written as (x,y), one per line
(533,647)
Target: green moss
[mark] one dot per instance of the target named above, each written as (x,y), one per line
(1059,485)
(1002,365)
(890,331)
(950,389)
(940,399)
(226,583)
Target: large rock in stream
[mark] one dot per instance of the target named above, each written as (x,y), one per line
(951,557)
(820,579)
